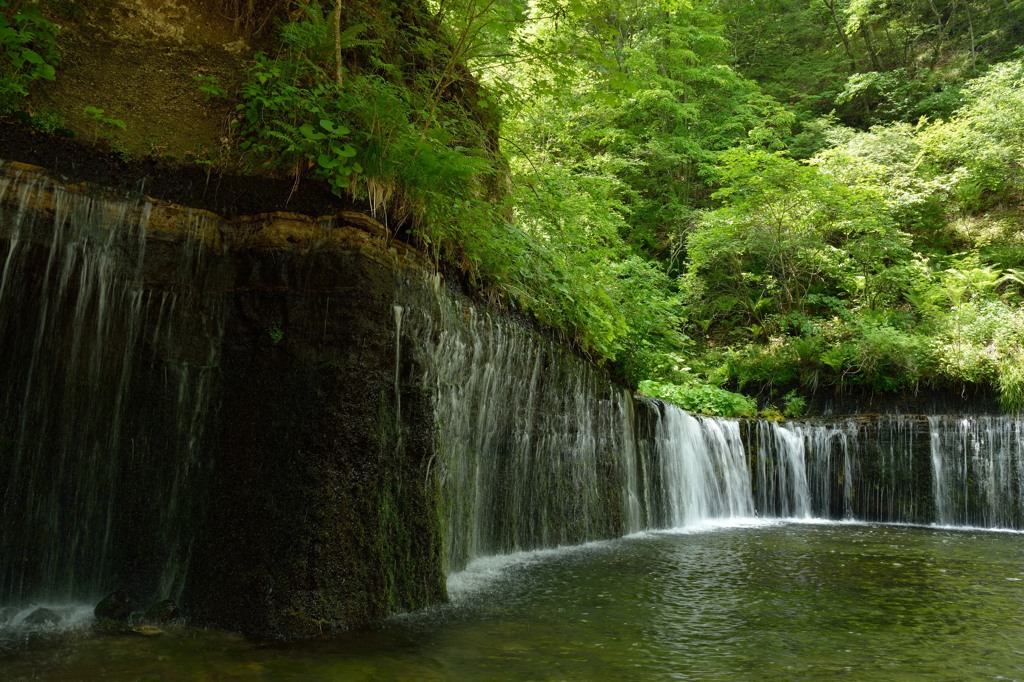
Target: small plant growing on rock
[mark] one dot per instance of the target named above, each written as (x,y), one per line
(102,122)
(276,335)
(793,405)
(211,88)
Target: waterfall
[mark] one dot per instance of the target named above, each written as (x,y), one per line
(113,315)
(398,310)
(781,467)
(699,470)
(892,478)
(534,445)
(100,434)
(849,469)
(536,450)
(952,470)
(978,470)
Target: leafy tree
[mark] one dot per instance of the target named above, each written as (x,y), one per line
(981,148)
(788,240)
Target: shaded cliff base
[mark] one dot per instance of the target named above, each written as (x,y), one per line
(954,399)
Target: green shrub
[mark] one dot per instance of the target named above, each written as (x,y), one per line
(28,51)
(1011,384)
(701,398)
(101,122)
(793,405)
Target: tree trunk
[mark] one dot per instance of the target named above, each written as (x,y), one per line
(937,52)
(970,26)
(869,44)
(831,4)
(337,43)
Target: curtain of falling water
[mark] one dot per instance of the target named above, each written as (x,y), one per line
(537,450)
(99,434)
(695,469)
(952,470)
(978,470)
(536,447)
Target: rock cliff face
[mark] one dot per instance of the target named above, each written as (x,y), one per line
(204,408)
(137,61)
(323,514)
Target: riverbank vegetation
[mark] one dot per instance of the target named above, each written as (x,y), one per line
(740,204)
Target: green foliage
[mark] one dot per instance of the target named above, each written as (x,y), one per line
(290,119)
(1011,385)
(839,273)
(372,137)
(28,51)
(642,96)
(788,240)
(870,62)
(979,150)
(793,405)
(101,122)
(211,88)
(658,208)
(276,335)
(47,120)
(702,398)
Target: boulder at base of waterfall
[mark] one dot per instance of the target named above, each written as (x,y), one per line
(162,611)
(42,616)
(116,606)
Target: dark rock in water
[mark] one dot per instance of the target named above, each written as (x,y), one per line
(42,616)
(162,611)
(115,606)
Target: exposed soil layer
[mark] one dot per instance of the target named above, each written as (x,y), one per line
(187,184)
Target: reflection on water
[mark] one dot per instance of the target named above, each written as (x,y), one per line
(764,602)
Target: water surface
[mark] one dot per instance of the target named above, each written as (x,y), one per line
(753,602)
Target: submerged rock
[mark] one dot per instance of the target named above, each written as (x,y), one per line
(42,616)
(116,606)
(162,611)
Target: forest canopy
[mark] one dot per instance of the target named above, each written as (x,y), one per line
(740,204)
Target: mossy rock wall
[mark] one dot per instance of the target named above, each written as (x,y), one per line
(322,517)
(290,500)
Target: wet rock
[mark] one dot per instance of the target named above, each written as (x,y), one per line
(116,606)
(162,612)
(42,616)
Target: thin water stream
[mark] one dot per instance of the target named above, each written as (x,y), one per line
(751,601)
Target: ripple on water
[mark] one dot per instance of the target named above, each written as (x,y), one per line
(749,602)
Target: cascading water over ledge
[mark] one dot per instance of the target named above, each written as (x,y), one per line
(294,425)
(107,383)
(947,470)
